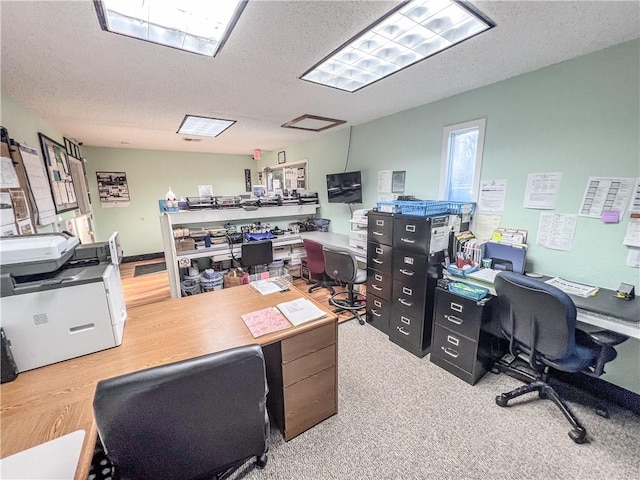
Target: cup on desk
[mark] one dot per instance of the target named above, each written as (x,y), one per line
(486,263)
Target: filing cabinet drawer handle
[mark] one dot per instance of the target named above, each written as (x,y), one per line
(450,352)
(374,312)
(404,302)
(453,319)
(379,262)
(408,273)
(456,307)
(453,340)
(402,331)
(380,223)
(410,228)
(377,303)
(376,287)
(405,320)
(378,233)
(407,240)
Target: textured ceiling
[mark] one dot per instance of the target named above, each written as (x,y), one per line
(104,89)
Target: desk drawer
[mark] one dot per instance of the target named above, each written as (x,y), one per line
(308,342)
(309,401)
(379,257)
(379,284)
(308,365)
(454,348)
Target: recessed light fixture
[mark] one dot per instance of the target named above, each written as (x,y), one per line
(313,123)
(204,126)
(415,30)
(198,26)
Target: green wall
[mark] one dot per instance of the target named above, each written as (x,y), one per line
(149,175)
(579,117)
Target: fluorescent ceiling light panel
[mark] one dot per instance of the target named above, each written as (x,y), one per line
(204,126)
(198,26)
(414,31)
(313,123)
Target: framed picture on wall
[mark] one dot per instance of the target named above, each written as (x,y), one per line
(282,157)
(58,169)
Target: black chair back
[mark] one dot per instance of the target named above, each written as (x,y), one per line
(185,420)
(540,318)
(340,264)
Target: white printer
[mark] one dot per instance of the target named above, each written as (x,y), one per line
(59,299)
(358,231)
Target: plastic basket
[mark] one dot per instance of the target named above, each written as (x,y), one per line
(425,208)
(389,207)
(467,290)
(462,207)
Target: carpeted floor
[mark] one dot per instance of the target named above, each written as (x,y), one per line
(149,268)
(401,417)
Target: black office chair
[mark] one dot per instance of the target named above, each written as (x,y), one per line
(342,266)
(198,418)
(539,321)
(315,264)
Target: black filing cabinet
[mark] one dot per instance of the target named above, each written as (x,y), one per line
(462,342)
(419,244)
(379,267)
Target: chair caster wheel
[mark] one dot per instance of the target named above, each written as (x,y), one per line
(578,435)
(261,461)
(495,370)
(501,400)
(361,322)
(542,395)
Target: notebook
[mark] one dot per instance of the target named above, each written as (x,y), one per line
(267,320)
(301,310)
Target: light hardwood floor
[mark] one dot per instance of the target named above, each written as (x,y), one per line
(154,287)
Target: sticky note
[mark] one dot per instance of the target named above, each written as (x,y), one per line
(611,216)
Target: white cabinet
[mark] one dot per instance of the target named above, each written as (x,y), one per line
(282,246)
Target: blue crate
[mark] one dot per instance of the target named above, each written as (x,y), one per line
(461,207)
(424,208)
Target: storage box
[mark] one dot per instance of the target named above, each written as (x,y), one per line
(185,244)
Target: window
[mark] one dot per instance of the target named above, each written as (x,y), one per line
(462,146)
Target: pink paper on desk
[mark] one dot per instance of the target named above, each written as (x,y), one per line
(267,320)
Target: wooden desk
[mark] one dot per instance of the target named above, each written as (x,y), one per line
(54,400)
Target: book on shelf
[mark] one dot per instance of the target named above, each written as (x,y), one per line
(270,285)
(266,320)
(301,310)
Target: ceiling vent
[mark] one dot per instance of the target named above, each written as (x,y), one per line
(313,123)
(187,139)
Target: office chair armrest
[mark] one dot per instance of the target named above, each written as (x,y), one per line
(606,338)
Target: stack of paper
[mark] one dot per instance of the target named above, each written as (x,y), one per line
(300,311)
(572,288)
(268,286)
(267,320)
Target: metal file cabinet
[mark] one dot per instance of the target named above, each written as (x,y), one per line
(462,339)
(379,267)
(419,246)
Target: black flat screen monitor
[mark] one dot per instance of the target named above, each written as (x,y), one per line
(256,253)
(344,187)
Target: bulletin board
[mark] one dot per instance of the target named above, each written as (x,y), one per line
(59,171)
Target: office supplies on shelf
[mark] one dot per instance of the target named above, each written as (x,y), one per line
(300,311)
(265,320)
(572,288)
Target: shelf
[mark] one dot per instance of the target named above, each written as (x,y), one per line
(228,214)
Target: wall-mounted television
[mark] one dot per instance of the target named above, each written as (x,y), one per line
(344,187)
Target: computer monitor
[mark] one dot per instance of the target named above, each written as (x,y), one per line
(256,253)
